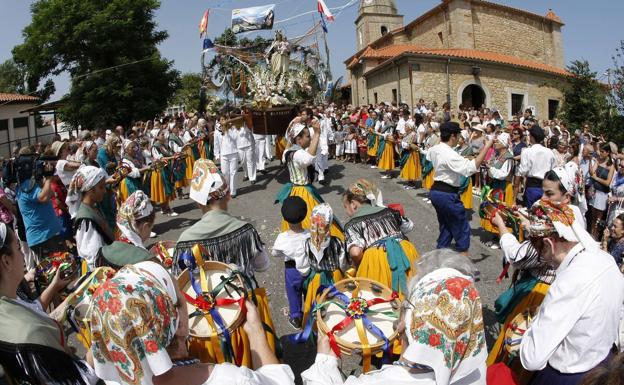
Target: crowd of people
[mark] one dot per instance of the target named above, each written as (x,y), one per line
(550,199)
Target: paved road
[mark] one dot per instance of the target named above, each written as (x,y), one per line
(255,204)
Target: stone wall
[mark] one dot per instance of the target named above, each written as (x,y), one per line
(497,81)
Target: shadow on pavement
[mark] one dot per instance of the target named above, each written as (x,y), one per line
(298,356)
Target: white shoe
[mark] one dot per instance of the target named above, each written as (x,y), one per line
(425,199)
(494,246)
(373,166)
(153,234)
(173,214)
(386,177)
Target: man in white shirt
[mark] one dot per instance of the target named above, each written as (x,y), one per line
(322,157)
(535,161)
(449,167)
(577,323)
(247,152)
(226,150)
(260,152)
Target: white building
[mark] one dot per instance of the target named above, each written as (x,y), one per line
(15,125)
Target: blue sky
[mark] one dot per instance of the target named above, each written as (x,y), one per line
(592,30)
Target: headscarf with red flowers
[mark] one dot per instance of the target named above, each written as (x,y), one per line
(549,218)
(133,320)
(444,326)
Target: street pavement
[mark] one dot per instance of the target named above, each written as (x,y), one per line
(255,204)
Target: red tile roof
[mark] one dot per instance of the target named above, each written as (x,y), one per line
(6,97)
(471,54)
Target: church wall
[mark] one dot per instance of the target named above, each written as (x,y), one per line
(426,33)
(498,82)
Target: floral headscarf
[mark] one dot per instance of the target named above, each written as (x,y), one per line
(445,326)
(551,218)
(86,178)
(133,320)
(137,206)
(207,183)
(294,131)
(320,223)
(368,190)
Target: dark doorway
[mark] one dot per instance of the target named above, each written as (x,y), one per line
(473,96)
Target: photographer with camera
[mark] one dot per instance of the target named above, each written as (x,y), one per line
(34,199)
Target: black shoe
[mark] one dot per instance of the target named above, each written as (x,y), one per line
(295,322)
(253,182)
(245,179)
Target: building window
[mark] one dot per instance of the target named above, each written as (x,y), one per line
(384,30)
(20,122)
(517,103)
(441,37)
(4,124)
(395,97)
(553,106)
(375,97)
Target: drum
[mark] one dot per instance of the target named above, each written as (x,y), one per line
(47,268)
(516,329)
(359,316)
(74,313)
(164,251)
(215,297)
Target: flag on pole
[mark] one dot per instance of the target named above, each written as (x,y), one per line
(322,8)
(203,24)
(323,24)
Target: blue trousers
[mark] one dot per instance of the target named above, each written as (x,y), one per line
(532,195)
(451,219)
(293,280)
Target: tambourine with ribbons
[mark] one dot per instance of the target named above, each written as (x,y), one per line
(120,173)
(164,251)
(516,328)
(47,268)
(215,293)
(492,203)
(359,316)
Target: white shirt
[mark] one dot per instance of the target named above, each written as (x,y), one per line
(265,375)
(88,243)
(325,371)
(65,176)
(535,161)
(501,173)
(245,138)
(421,131)
(449,166)
(291,246)
(225,143)
(578,320)
(400,127)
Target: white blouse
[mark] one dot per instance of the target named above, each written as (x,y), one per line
(88,243)
(266,375)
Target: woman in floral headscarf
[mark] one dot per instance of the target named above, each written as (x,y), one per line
(135,220)
(130,160)
(441,332)
(375,237)
(140,326)
(86,190)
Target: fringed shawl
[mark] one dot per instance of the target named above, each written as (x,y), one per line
(32,347)
(372,224)
(225,238)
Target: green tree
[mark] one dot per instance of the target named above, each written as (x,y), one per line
(585,98)
(109,49)
(617,77)
(13,80)
(188,93)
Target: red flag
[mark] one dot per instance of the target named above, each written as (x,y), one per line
(322,8)
(203,24)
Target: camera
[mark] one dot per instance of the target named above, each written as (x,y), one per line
(25,167)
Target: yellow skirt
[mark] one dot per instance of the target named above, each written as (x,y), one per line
(201,146)
(498,352)
(374,264)
(280,147)
(466,196)
(386,162)
(312,291)
(209,350)
(509,201)
(428,181)
(310,201)
(190,162)
(373,150)
(157,188)
(411,169)
(122,192)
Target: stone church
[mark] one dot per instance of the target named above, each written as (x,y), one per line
(470,52)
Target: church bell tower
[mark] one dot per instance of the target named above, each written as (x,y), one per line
(375,19)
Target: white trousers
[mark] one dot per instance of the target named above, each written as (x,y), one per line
(340,149)
(268,146)
(320,165)
(260,154)
(247,157)
(229,165)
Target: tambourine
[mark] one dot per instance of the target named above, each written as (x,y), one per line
(74,313)
(215,295)
(120,173)
(164,251)
(46,269)
(516,328)
(492,203)
(359,316)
